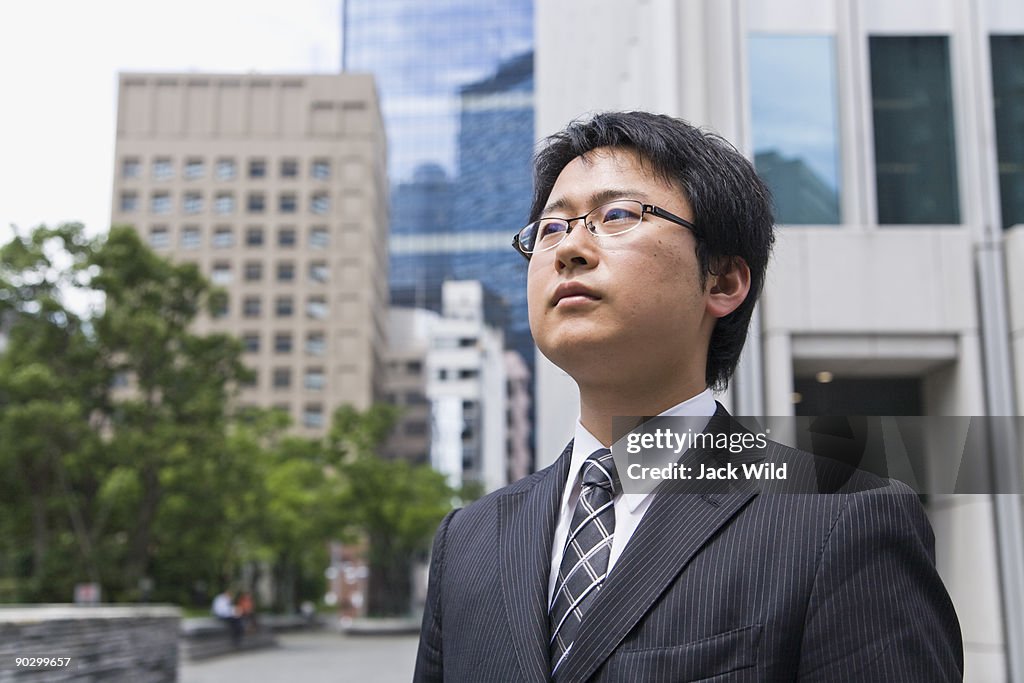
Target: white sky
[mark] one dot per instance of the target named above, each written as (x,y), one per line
(59,61)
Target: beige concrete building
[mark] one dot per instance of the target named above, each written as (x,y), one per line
(275,186)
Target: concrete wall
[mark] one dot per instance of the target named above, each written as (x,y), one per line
(110,644)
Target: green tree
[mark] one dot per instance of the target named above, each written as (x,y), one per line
(172,428)
(124,462)
(395,505)
(114,419)
(49,379)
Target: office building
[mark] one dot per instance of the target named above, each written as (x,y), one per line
(895,286)
(462,398)
(456,89)
(275,187)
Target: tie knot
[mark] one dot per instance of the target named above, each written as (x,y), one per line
(599,470)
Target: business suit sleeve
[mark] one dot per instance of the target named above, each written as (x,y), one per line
(429,660)
(878,610)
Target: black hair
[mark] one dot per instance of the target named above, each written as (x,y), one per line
(732,206)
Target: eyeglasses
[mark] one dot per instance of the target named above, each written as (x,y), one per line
(607,220)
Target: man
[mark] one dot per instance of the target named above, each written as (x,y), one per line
(648,247)
(224,609)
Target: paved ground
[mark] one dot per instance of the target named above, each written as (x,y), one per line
(320,657)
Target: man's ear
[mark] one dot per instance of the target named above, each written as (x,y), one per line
(728,287)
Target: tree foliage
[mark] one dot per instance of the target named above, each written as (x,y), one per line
(125,464)
(393,504)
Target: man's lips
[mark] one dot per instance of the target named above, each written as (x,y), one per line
(572,292)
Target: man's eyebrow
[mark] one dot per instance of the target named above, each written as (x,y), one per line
(596,199)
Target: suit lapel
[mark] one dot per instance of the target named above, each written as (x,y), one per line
(678,523)
(526,530)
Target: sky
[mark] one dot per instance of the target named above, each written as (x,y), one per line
(59,61)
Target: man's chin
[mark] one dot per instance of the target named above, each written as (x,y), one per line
(582,356)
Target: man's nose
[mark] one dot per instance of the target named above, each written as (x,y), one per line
(577,246)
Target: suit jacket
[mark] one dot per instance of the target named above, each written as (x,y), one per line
(728,583)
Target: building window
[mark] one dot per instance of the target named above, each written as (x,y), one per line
(286,237)
(282,378)
(256,202)
(226,169)
(318,271)
(316,343)
(314,379)
(251,307)
(319,238)
(283,342)
(131,167)
(253,271)
(915,146)
(795,122)
(159,238)
(160,203)
(289,168)
(129,202)
(257,168)
(224,204)
(162,169)
(254,237)
(1008,94)
(468,373)
(320,203)
(284,306)
(251,342)
(223,238)
(285,271)
(316,307)
(194,169)
(414,367)
(313,416)
(190,237)
(321,169)
(287,203)
(221,273)
(193,203)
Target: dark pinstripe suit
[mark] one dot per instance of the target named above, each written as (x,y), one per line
(730,584)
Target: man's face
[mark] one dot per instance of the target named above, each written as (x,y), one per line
(643,311)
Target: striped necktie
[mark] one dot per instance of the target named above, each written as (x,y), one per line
(585,558)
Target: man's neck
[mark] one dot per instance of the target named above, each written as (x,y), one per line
(597,408)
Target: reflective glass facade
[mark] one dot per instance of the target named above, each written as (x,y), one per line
(455,79)
(795,125)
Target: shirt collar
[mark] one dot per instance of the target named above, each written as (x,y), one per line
(584,443)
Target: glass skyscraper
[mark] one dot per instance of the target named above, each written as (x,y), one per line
(455,80)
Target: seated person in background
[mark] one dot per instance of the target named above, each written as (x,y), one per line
(224,609)
(245,610)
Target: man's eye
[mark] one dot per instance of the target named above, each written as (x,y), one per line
(618,215)
(551,229)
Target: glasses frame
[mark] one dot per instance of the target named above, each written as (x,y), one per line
(645,209)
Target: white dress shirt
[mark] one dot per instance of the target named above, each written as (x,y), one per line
(629,507)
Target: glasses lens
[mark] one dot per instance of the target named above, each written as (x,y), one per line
(615,217)
(527,237)
(548,232)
